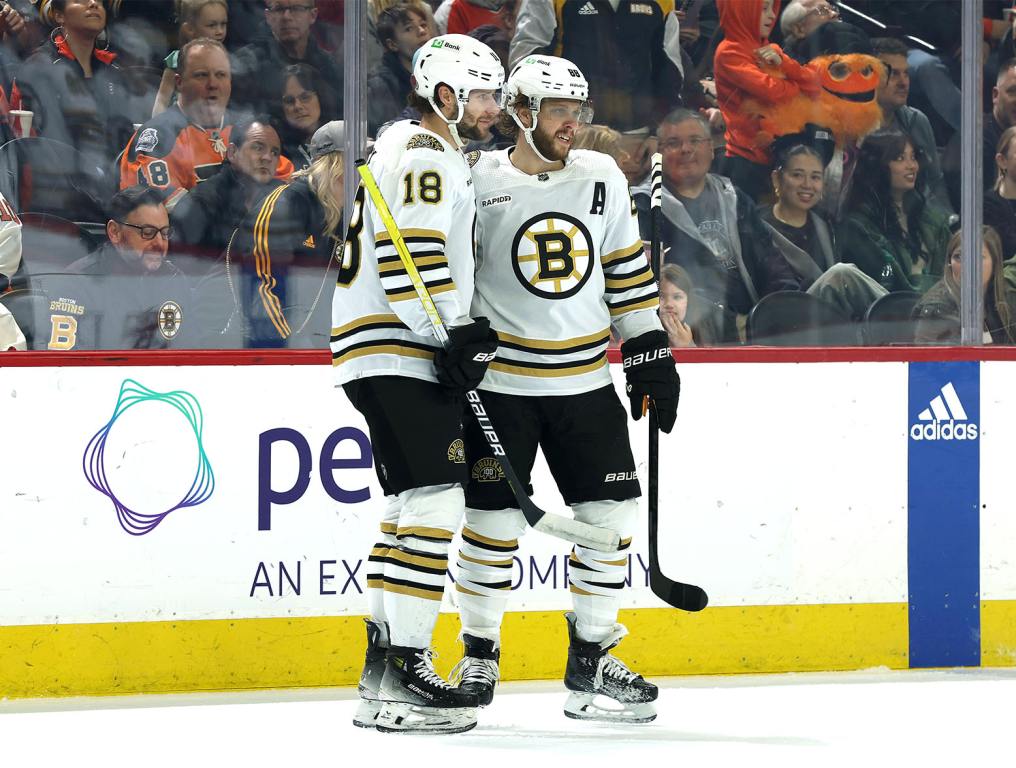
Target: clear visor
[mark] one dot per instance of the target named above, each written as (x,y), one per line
(485,99)
(574,112)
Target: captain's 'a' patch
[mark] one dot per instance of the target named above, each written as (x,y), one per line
(425,141)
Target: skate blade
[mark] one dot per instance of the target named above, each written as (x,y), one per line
(366,713)
(397,717)
(589,706)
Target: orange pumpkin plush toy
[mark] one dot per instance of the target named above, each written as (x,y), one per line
(845,105)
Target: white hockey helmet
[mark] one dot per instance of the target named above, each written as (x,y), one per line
(462,63)
(540,77)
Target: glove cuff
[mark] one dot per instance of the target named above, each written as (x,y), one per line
(649,350)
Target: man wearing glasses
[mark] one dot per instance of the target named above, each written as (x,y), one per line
(814,28)
(125,295)
(258,69)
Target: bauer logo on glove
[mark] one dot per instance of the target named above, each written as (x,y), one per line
(650,370)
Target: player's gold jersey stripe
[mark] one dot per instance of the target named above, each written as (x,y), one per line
(493,563)
(391,528)
(377,583)
(630,280)
(380,551)
(465,591)
(427,562)
(382,238)
(400,589)
(422,261)
(487,540)
(511,338)
(573,588)
(410,292)
(383,349)
(365,320)
(426,533)
(621,253)
(549,373)
(651,303)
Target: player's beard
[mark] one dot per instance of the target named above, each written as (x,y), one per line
(471,131)
(546,146)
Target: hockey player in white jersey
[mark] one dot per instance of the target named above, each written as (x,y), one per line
(559,260)
(408,389)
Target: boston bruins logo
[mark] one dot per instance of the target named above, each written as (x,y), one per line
(457,452)
(170,317)
(552,255)
(487,471)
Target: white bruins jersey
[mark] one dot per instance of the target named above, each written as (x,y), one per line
(379,327)
(559,259)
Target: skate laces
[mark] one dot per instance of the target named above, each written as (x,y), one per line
(424,667)
(613,668)
(473,670)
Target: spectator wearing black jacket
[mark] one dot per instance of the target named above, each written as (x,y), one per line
(75,89)
(126,295)
(712,229)
(258,68)
(813,28)
(402,29)
(204,219)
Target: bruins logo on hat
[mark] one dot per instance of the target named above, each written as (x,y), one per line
(487,471)
(457,452)
(169,318)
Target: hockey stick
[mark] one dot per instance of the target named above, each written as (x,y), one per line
(560,526)
(687,597)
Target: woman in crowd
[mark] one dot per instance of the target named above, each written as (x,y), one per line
(198,18)
(889,231)
(686,324)
(284,256)
(1000,200)
(938,312)
(307,102)
(74,87)
(805,238)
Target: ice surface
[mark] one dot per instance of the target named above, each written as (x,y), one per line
(867,719)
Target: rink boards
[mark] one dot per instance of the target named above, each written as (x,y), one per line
(174,528)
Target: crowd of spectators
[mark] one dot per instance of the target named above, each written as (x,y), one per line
(214,105)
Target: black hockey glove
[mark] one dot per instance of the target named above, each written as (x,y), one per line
(650,370)
(462,364)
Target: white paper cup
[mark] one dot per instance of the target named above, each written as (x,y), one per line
(22,122)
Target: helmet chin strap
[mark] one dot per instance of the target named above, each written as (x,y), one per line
(528,132)
(453,128)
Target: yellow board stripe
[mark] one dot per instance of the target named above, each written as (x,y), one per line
(621,253)
(603,335)
(549,373)
(401,589)
(366,320)
(263,264)
(647,304)
(426,533)
(383,349)
(228,654)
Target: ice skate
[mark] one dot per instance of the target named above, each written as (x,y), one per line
(416,699)
(594,676)
(478,671)
(370,678)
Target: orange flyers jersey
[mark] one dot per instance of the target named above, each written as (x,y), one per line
(169,152)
